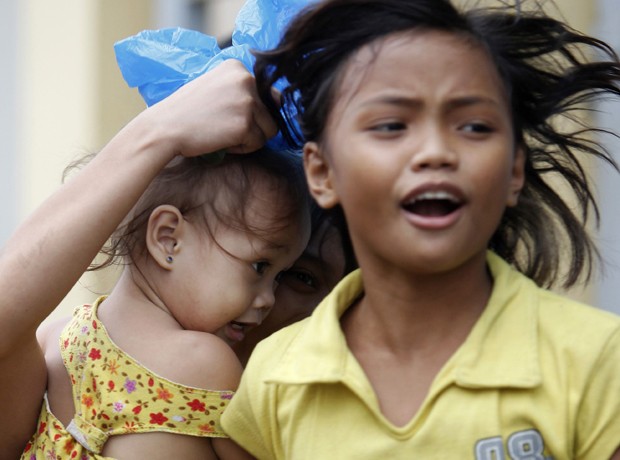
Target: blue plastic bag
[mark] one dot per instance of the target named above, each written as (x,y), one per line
(158,62)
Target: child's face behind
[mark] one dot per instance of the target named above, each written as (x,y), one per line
(225,284)
(420,153)
(302,287)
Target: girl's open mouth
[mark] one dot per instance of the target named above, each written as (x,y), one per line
(433,204)
(434,208)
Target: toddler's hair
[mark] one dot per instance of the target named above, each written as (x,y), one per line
(214,192)
(549,71)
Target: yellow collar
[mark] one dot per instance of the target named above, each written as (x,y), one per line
(500,351)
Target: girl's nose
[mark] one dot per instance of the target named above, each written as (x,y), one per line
(433,151)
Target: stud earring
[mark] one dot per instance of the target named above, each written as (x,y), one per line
(169,259)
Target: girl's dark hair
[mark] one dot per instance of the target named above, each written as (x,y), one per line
(549,71)
(216,191)
(334,218)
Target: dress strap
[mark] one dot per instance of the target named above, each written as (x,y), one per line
(89,436)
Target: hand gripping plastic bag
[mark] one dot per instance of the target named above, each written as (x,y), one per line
(158,62)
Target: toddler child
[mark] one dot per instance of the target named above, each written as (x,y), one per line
(147,371)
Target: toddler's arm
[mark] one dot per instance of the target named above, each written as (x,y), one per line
(49,252)
(227,449)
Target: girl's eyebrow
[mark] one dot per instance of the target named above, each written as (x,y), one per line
(403,101)
(414,102)
(273,246)
(467,101)
(310,255)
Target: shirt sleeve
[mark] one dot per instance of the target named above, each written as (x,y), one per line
(598,423)
(250,417)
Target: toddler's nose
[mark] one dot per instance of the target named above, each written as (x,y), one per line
(264,303)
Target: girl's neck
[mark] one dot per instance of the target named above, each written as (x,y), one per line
(133,289)
(405,312)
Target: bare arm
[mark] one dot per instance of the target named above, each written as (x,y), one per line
(52,248)
(227,449)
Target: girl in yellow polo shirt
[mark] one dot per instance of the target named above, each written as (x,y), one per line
(439,133)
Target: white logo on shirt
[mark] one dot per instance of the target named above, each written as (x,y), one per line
(522,445)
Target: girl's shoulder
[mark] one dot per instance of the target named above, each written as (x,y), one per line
(576,323)
(202,360)
(572,312)
(189,358)
(559,316)
(49,331)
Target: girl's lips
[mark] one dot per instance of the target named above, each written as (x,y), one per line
(433,206)
(433,222)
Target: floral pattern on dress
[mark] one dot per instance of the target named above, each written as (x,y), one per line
(115,395)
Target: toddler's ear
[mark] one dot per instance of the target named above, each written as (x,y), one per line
(163,235)
(319,175)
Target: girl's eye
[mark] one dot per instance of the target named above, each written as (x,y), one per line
(299,280)
(260,267)
(305,278)
(477,128)
(389,127)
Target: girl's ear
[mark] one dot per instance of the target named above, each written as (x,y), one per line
(163,235)
(319,176)
(517,180)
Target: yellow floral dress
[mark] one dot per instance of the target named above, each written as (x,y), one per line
(115,395)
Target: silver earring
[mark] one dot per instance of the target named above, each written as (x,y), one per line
(169,259)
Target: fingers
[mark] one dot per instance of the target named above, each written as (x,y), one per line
(260,129)
(262,125)
(259,126)
(219,110)
(264,122)
(277,96)
(256,137)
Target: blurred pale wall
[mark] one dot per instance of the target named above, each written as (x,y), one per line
(9,76)
(63,94)
(607,287)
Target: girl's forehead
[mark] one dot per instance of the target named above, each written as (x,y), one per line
(424,58)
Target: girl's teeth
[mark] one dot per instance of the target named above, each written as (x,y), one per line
(435,196)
